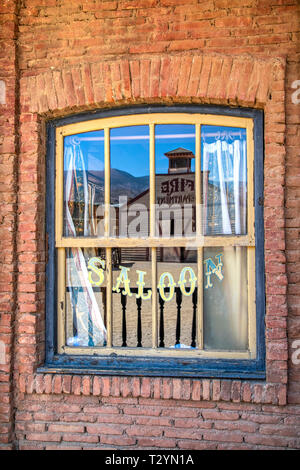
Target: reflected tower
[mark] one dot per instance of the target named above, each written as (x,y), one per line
(180,160)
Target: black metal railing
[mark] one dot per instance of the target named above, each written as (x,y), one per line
(139,304)
(161,341)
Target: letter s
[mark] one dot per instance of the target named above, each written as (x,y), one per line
(98,271)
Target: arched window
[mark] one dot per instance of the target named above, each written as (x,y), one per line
(156,242)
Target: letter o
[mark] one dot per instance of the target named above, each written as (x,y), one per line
(171,285)
(182,281)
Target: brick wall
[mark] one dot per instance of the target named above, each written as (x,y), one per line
(81,422)
(8,211)
(81,55)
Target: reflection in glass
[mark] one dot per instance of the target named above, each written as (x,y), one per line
(83,182)
(177,297)
(225,298)
(175,179)
(129,154)
(85,297)
(224,166)
(132,298)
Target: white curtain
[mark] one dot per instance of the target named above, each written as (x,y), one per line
(224,213)
(90,327)
(224,169)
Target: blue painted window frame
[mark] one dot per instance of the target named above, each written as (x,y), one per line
(153,366)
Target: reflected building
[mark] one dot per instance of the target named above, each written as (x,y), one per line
(174,199)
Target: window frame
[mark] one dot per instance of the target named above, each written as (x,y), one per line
(141,362)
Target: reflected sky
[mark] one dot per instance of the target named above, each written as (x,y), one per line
(127,143)
(129,149)
(167,137)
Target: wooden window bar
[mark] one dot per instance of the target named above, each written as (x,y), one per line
(108,242)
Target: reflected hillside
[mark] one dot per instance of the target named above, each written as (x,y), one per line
(122,183)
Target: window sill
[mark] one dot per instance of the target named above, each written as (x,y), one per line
(151,366)
(50,380)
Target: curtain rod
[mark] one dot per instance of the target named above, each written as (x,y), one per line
(223,133)
(166,136)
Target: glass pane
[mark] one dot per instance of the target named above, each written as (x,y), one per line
(224,167)
(85,297)
(129,153)
(132,314)
(225,298)
(83,183)
(177,297)
(175,180)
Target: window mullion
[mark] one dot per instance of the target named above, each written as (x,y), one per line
(250,183)
(61,299)
(107,182)
(251,235)
(251,301)
(109,318)
(154,297)
(152,181)
(152,233)
(59,189)
(199,232)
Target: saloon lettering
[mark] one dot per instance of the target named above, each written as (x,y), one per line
(166,284)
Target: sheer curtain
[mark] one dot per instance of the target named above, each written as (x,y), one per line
(225,178)
(225,213)
(87,314)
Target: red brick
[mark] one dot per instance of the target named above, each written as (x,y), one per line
(184,74)
(116,81)
(135,74)
(204,77)
(206,388)
(46,437)
(66,428)
(66,384)
(86,385)
(76,385)
(212,435)
(100,409)
(105,386)
(103,429)
(96,386)
(156,388)
(154,77)
(196,390)
(222,415)
(78,85)
(140,410)
(273,441)
(196,445)
(58,84)
(114,419)
(69,87)
(181,412)
(57,384)
(153,442)
(145,77)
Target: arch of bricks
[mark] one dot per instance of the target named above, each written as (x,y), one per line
(162,79)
